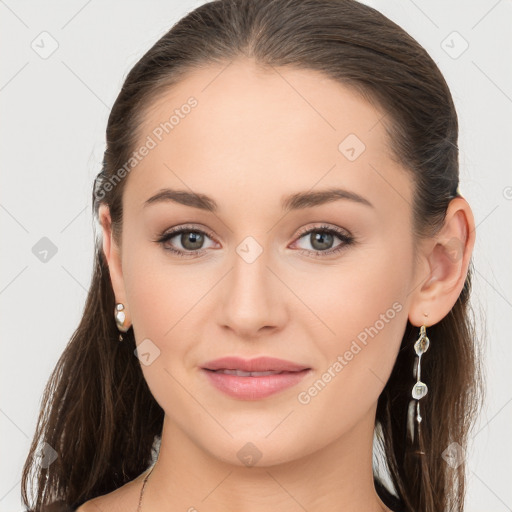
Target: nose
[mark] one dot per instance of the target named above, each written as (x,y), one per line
(253,299)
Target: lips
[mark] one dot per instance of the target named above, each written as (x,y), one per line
(253,379)
(259,366)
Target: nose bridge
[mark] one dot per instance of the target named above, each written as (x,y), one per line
(253,300)
(250,273)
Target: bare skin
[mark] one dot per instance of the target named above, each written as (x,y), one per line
(255,137)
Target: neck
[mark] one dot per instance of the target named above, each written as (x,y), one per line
(338,476)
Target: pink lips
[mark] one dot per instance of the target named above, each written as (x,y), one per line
(242,385)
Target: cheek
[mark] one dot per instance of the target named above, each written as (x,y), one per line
(161,300)
(365,310)
(161,293)
(359,291)
(152,301)
(364,307)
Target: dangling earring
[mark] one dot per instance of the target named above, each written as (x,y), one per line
(419,390)
(120,317)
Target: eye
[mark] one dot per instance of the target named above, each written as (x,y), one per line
(190,238)
(322,238)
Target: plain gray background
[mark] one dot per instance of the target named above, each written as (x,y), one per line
(54,110)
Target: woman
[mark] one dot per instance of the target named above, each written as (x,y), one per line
(283,273)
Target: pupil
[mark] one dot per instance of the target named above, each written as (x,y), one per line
(321,238)
(195,239)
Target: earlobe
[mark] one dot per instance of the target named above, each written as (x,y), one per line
(447,257)
(113,258)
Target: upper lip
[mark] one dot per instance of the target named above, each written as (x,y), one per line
(258,364)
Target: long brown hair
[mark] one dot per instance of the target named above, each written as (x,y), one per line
(97,411)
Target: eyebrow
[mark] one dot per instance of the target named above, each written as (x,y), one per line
(296,201)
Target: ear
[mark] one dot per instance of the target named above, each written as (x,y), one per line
(113,257)
(443,266)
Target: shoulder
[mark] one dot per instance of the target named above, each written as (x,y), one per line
(122,499)
(99,504)
(88,506)
(103,504)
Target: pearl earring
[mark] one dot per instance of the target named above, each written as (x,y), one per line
(120,317)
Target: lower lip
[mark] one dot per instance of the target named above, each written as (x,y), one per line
(254,388)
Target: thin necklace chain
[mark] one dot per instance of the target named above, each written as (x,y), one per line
(139,508)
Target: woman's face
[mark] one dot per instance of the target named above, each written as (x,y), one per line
(258,285)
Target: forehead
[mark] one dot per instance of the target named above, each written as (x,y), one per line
(264,133)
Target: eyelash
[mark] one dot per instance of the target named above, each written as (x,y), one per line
(346,239)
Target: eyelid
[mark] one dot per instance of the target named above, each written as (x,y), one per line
(188,227)
(324,227)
